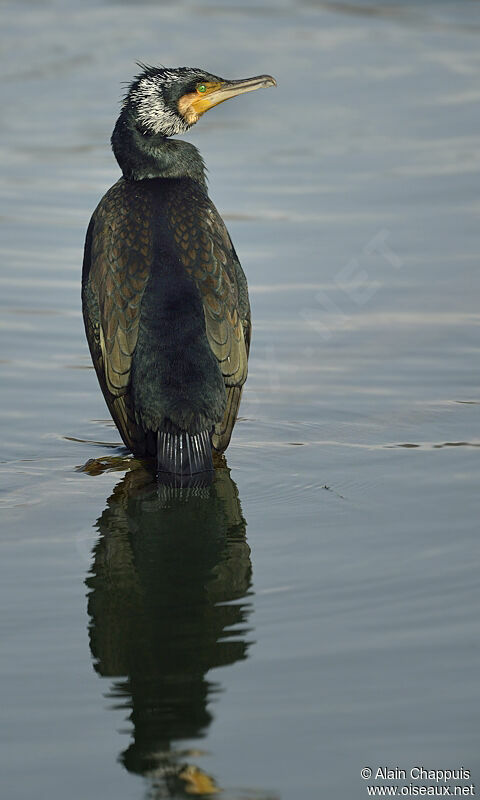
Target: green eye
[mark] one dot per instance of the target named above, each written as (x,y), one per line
(201,88)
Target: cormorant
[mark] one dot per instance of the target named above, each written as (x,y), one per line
(165,300)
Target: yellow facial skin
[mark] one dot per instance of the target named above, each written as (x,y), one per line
(209,94)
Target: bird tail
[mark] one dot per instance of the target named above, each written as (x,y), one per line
(186,458)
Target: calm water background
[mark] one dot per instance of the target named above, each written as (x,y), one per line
(349,635)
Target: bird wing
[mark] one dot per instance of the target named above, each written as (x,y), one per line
(207,253)
(118,260)
(119,256)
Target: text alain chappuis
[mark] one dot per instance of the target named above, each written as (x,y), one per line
(416,774)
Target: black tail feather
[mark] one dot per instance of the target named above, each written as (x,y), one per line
(184,455)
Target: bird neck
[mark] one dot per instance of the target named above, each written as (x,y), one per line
(142,156)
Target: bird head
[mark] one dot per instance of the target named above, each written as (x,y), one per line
(165,101)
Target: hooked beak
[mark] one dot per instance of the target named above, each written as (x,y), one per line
(232,88)
(197,103)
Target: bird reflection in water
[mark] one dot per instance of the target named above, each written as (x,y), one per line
(167,603)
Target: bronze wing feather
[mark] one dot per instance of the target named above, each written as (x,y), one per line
(120,253)
(207,253)
(119,256)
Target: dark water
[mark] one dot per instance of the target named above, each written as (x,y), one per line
(316,611)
